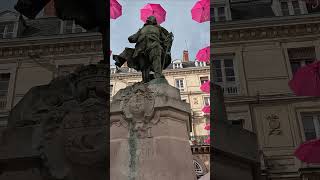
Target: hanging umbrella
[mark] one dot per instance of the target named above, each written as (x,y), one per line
(206,109)
(306,81)
(115,9)
(205,87)
(155,10)
(201,11)
(207,141)
(309,152)
(203,55)
(207,127)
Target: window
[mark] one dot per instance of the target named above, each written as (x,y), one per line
(212,16)
(180,84)
(224,74)
(4,86)
(299,57)
(311,125)
(204,79)
(296,7)
(285,9)
(290,7)
(64,70)
(200,64)
(7,30)
(206,101)
(198,169)
(218,14)
(177,65)
(221,14)
(71,27)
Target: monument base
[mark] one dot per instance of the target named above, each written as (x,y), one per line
(149,134)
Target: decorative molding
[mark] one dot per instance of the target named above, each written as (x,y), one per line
(51,49)
(246,33)
(274,125)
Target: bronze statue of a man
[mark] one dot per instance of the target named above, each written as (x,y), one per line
(152,50)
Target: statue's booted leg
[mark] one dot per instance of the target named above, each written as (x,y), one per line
(155,56)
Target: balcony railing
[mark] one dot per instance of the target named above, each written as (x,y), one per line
(230,89)
(198,140)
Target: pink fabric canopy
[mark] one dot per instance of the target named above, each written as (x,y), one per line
(155,10)
(201,11)
(309,152)
(115,9)
(206,109)
(203,55)
(205,87)
(306,81)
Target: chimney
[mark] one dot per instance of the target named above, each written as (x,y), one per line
(49,9)
(185,56)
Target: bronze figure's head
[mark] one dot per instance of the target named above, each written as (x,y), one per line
(151,20)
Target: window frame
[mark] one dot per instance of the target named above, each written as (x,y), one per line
(302,61)
(204,100)
(183,89)
(73,29)
(316,123)
(203,77)
(291,9)
(5,30)
(216,16)
(234,85)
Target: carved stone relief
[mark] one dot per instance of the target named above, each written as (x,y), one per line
(274,124)
(138,112)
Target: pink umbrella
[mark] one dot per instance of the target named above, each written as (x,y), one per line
(203,55)
(206,109)
(207,141)
(115,9)
(306,81)
(205,87)
(153,10)
(201,11)
(309,152)
(207,127)
(110,53)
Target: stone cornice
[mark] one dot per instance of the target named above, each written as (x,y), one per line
(49,49)
(170,72)
(263,29)
(232,100)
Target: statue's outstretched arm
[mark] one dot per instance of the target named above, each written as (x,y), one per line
(134,38)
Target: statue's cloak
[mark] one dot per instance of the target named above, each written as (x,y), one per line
(140,62)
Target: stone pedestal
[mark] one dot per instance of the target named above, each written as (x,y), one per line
(149,134)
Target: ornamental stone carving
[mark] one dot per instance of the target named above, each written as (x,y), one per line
(138,110)
(274,125)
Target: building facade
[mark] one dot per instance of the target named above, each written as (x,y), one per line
(257,47)
(33,52)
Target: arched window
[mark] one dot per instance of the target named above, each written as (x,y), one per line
(198,168)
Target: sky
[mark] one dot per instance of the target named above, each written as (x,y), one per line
(188,34)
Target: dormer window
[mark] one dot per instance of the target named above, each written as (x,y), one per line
(177,65)
(113,70)
(200,64)
(71,27)
(290,7)
(218,14)
(131,70)
(7,30)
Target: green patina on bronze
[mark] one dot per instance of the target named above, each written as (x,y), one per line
(151,53)
(133,141)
